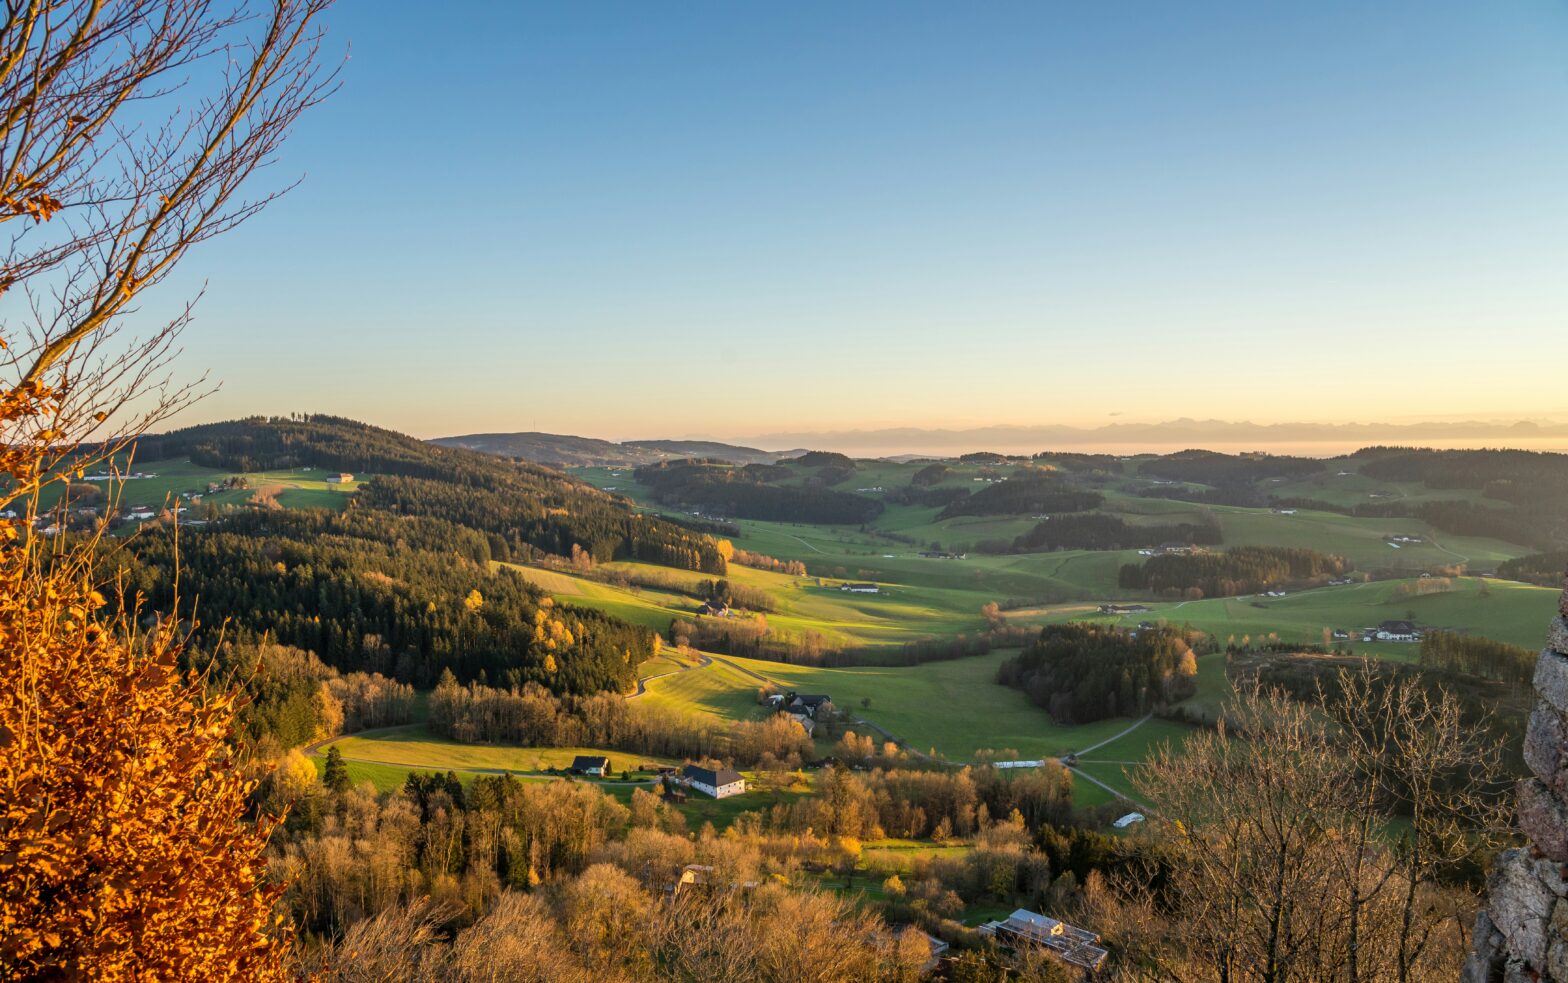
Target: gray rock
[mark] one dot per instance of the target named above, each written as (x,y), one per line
(1557,635)
(1521,906)
(1486,952)
(1543,819)
(1551,679)
(1546,747)
(1557,952)
(1518,972)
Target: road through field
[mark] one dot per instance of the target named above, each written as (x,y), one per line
(1136,724)
(642,682)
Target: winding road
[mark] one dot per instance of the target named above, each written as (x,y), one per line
(642,681)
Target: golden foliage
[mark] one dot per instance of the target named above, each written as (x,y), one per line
(124,849)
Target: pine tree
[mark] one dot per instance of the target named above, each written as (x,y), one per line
(335,777)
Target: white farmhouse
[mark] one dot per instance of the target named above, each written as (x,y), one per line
(721,783)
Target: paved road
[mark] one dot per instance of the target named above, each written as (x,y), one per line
(742,670)
(1120,795)
(1139,723)
(642,682)
(1090,750)
(313,748)
(805,544)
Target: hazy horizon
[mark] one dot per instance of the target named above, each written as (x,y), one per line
(1131,437)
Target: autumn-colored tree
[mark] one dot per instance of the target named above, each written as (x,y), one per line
(127,130)
(124,850)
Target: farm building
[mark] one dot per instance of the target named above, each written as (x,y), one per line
(1396,631)
(341,478)
(1074,946)
(808,705)
(1124,608)
(1132,818)
(701,876)
(861,588)
(720,783)
(591,764)
(941,555)
(714,609)
(805,721)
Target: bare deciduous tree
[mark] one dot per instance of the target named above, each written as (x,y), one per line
(128,132)
(1316,840)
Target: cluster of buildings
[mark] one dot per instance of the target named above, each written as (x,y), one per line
(1172,549)
(1388,631)
(1120,609)
(803,707)
(718,783)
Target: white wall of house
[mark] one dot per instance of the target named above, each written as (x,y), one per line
(723,791)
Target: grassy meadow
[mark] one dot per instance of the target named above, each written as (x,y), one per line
(1499,609)
(164,482)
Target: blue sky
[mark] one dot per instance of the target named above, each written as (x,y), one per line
(630,219)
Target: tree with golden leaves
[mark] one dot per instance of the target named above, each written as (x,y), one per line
(127,130)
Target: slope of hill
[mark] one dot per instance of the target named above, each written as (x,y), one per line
(404,578)
(732,453)
(561,450)
(521,507)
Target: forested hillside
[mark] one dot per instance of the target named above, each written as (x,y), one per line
(1242,570)
(521,506)
(1025,494)
(745,493)
(1527,486)
(403,581)
(369,591)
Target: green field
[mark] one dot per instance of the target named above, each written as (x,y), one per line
(386,757)
(953,709)
(718,689)
(900,614)
(416,748)
(164,482)
(1499,609)
(1358,539)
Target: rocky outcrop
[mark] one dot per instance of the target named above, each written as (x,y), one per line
(1522,936)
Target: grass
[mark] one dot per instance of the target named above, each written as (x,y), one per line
(386,757)
(718,689)
(415,748)
(900,614)
(1502,610)
(167,481)
(847,551)
(954,708)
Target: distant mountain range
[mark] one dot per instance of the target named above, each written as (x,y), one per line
(1299,438)
(565,451)
(1309,439)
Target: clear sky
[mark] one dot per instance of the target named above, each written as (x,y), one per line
(634,219)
